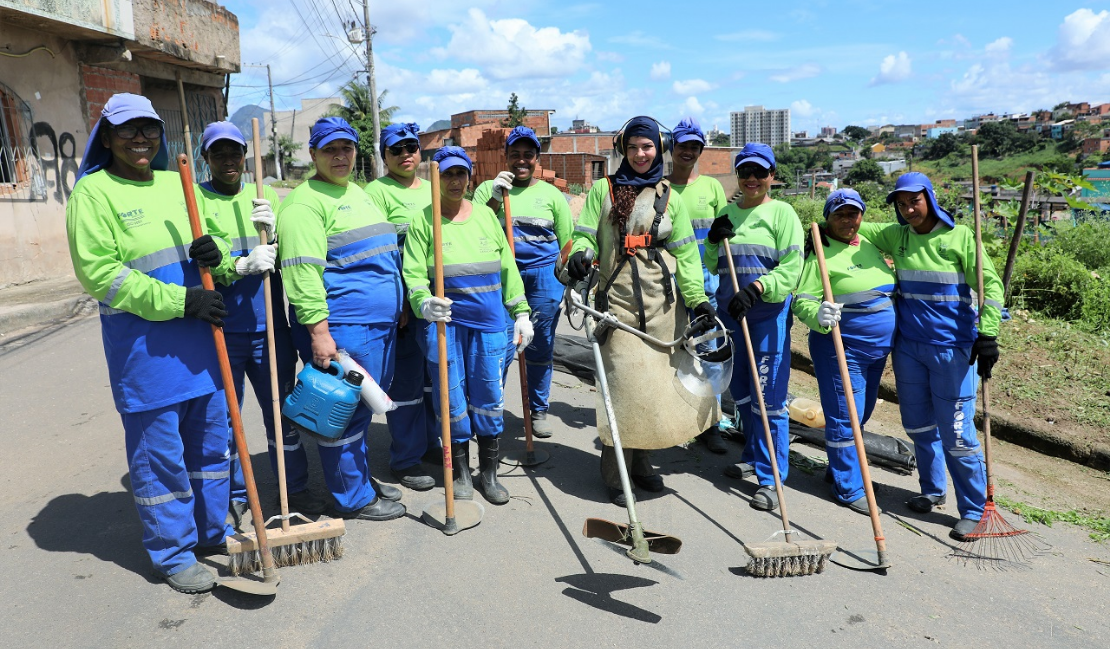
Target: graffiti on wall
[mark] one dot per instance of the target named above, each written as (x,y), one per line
(58,157)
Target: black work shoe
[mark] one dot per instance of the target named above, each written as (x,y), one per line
(192,580)
(307,503)
(765,499)
(713,441)
(237,509)
(962,529)
(616,496)
(379,509)
(924,504)
(740,471)
(414,477)
(388,492)
(859,505)
(541,428)
(653,483)
(210,550)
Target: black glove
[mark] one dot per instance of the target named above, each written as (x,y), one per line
(740,303)
(578,266)
(720,229)
(705,308)
(205,252)
(985,350)
(206,305)
(706,324)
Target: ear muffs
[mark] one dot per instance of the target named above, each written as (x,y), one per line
(666,138)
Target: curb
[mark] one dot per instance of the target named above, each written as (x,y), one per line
(1031,436)
(19,317)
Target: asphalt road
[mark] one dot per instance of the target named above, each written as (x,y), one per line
(73,572)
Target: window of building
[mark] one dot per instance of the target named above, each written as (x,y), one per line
(20,171)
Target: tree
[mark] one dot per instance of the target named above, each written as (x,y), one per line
(865,171)
(857,133)
(721,139)
(942,146)
(517,113)
(356,109)
(1001,139)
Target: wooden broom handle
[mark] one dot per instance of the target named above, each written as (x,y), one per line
(525,405)
(441,340)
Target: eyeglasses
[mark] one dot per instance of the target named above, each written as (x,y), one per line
(743,172)
(411,147)
(128,132)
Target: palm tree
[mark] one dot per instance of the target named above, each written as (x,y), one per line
(356,110)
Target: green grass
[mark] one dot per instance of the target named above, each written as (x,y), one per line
(1098,526)
(957,167)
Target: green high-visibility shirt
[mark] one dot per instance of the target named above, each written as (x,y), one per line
(400,204)
(542,221)
(704,199)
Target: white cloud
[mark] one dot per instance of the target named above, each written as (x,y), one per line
(804,71)
(640,39)
(691,86)
(692,106)
(661,71)
(514,49)
(1000,47)
(1082,42)
(802,108)
(453,82)
(749,35)
(893,69)
(609,57)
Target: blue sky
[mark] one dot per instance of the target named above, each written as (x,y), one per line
(832,63)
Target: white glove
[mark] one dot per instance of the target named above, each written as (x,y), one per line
(828,315)
(502,185)
(435,309)
(260,260)
(263,215)
(523,332)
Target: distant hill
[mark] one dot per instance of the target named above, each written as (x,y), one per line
(242,119)
(438,125)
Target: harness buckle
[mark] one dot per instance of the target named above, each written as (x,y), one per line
(634,242)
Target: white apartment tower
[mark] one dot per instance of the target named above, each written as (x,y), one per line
(757,124)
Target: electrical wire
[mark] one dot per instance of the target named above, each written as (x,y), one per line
(28,52)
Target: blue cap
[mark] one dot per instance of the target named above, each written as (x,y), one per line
(522,133)
(452,156)
(915,181)
(688,129)
(395,133)
(842,197)
(221,131)
(120,108)
(329,129)
(756,153)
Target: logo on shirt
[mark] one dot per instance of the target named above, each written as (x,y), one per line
(132,218)
(486,245)
(343,208)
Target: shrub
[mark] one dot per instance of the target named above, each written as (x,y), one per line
(1051,283)
(1088,243)
(1096,302)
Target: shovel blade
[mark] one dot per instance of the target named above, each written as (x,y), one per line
(599,528)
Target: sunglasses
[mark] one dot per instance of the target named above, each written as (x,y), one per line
(743,172)
(149,131)
(411,147)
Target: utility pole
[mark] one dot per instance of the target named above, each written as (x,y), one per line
(370,31)
(273,125)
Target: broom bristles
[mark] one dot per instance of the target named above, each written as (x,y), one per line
(995,543)
(796,559)
(294,554)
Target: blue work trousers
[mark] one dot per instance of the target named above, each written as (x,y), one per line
(771,342)
(412,426)
(178,461)
(346,471)
(250,358)
(865,369)
(475,367)
(936,395)
(544,295)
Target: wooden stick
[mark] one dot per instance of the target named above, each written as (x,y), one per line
(753,367)
(441,340)
(185,122)
(525,405)
(982,298)
(849,398)
(269,572)
(1019,227)
(275,396)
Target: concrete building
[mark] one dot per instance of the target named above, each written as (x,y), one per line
(72,56)
(297,124)
(936,131)
(467,127)
(828,131)
(756,124)
(890,166)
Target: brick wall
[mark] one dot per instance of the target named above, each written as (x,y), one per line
(595,143)
(98,84)
(576,168)
(717,161)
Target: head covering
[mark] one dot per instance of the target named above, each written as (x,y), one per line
(842,197)
(522,133)
(120,108)
(916,181)
(329,129)
(395,133)
(221,131)
(452,156)
(755,153)
(688,129)
(641,127)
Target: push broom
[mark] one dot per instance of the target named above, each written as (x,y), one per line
(776,558)
(292,545)
(994,542)
(270,577)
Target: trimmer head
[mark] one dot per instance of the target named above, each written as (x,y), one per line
(621,534)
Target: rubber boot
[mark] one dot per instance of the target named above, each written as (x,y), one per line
(460,460)
(488,456)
